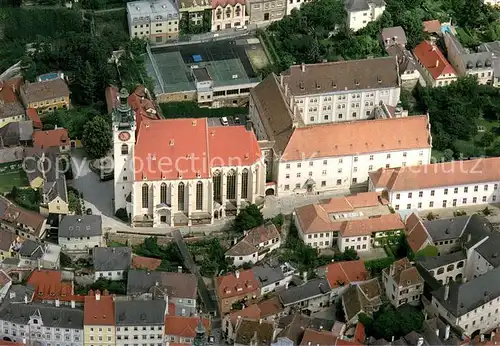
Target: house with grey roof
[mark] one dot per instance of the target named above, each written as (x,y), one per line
(408,70)
(144,320)
(494,49)
(393,36)
(445,268)
(311,296)
(272,278)
(363,298)
(33,253)
(362,12)
(111,263)
(79,233)
(45,324)
(467,63)
(180,288)
(473,305)
(18,133)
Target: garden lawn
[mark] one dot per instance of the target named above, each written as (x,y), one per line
(10,179)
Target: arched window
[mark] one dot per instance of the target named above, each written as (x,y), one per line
(228,12)
(180,196)
(145,195)
(450,268)
(124,149)
(231,185)
(244,184)
(199,195)
(460,264)
(163,193)
(217,180)
(237,11)
(440,271)
(219,13)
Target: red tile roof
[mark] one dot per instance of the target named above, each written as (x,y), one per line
(358,137)
(140,262)
(188,148)
(33,116)
(433,60)
(416,235)
(99,312)
(314,219)
(432,26)
(231,286)
(346,272)
(372,225)
(9,89)
(50,138)
(183,326)
(4,278)
(453,173)
(314,337)
(359,333)
(351,202)
(49,285)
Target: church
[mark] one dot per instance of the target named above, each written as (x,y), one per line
(182,172)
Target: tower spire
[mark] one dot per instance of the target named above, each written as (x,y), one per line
(200,339)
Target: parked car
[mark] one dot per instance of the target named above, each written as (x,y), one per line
(236,120)
(224,121)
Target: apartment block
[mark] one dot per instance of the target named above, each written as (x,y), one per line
(362,12)
(403,284)
(157,21)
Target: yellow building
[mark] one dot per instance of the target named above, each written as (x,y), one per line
(99,319)
(45,96)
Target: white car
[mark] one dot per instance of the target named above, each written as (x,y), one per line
(224,121)
(240,27)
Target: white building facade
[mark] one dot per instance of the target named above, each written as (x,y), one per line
(228,14)
(362,12)
(443,185)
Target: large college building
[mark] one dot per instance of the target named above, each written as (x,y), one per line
(182,171)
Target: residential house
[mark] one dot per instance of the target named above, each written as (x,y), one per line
(52,138)
(45,96)
(55,196)
(343,274)
(54,287)
(364,298)
(157,21)
(319,225)
(80,232)
(249,332)
(229,14)
(111,263)
(19,133)
(494,49)
(33,253)
(272,278)
(432,27)
(445,268)
(234,287)
(41,324)
(440,185)
(407,65)
(403,284)
(435,69)
(362,12)
(196,10)
(362,235)
(99,319)
(290,329)
(315,337)
(182,329)
(20,221)
(393,36)
(294,5)
(263,12)
(140,320)
(257,243)
(180,288)
(11,109)
(311,296)
(468,63)
(269,310)
(7,239)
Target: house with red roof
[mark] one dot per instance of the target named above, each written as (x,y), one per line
(235,287)
(341,275)
(57,138)
(437,71)
(227,14)
(51,287)
(99,318)
(182,330)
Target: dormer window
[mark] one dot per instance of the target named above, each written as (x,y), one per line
(239,289)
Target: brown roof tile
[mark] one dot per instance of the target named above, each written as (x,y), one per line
(99,312)
(242,248)
(358,137)
(416,235)
(40,91)
(51,138)
(270,307)
(274,112)
(14,214)
(372,225)
(250,332)
(230,285)
(183,326)
(403,273)
(314,219)
(453,173)
(6,239)
(261,234)
(346,272)
(140,262)
(342,75)
(314,337)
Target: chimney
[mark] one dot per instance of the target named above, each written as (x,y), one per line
(97,295)
(437,63)
(179,269)
(482,337)
(286,90)
(469,237)
(446,291)
(165,296)
(281,79)
(447,332)
(303,67)
(304,276)
(72,304)
(420,341)
(437,332)
(171,142)
(25,299)
(237,274)
(58,303)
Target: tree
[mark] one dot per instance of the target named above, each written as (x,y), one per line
(389,322)
(97,138)
(448,155)
(428,251)
(248,218)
